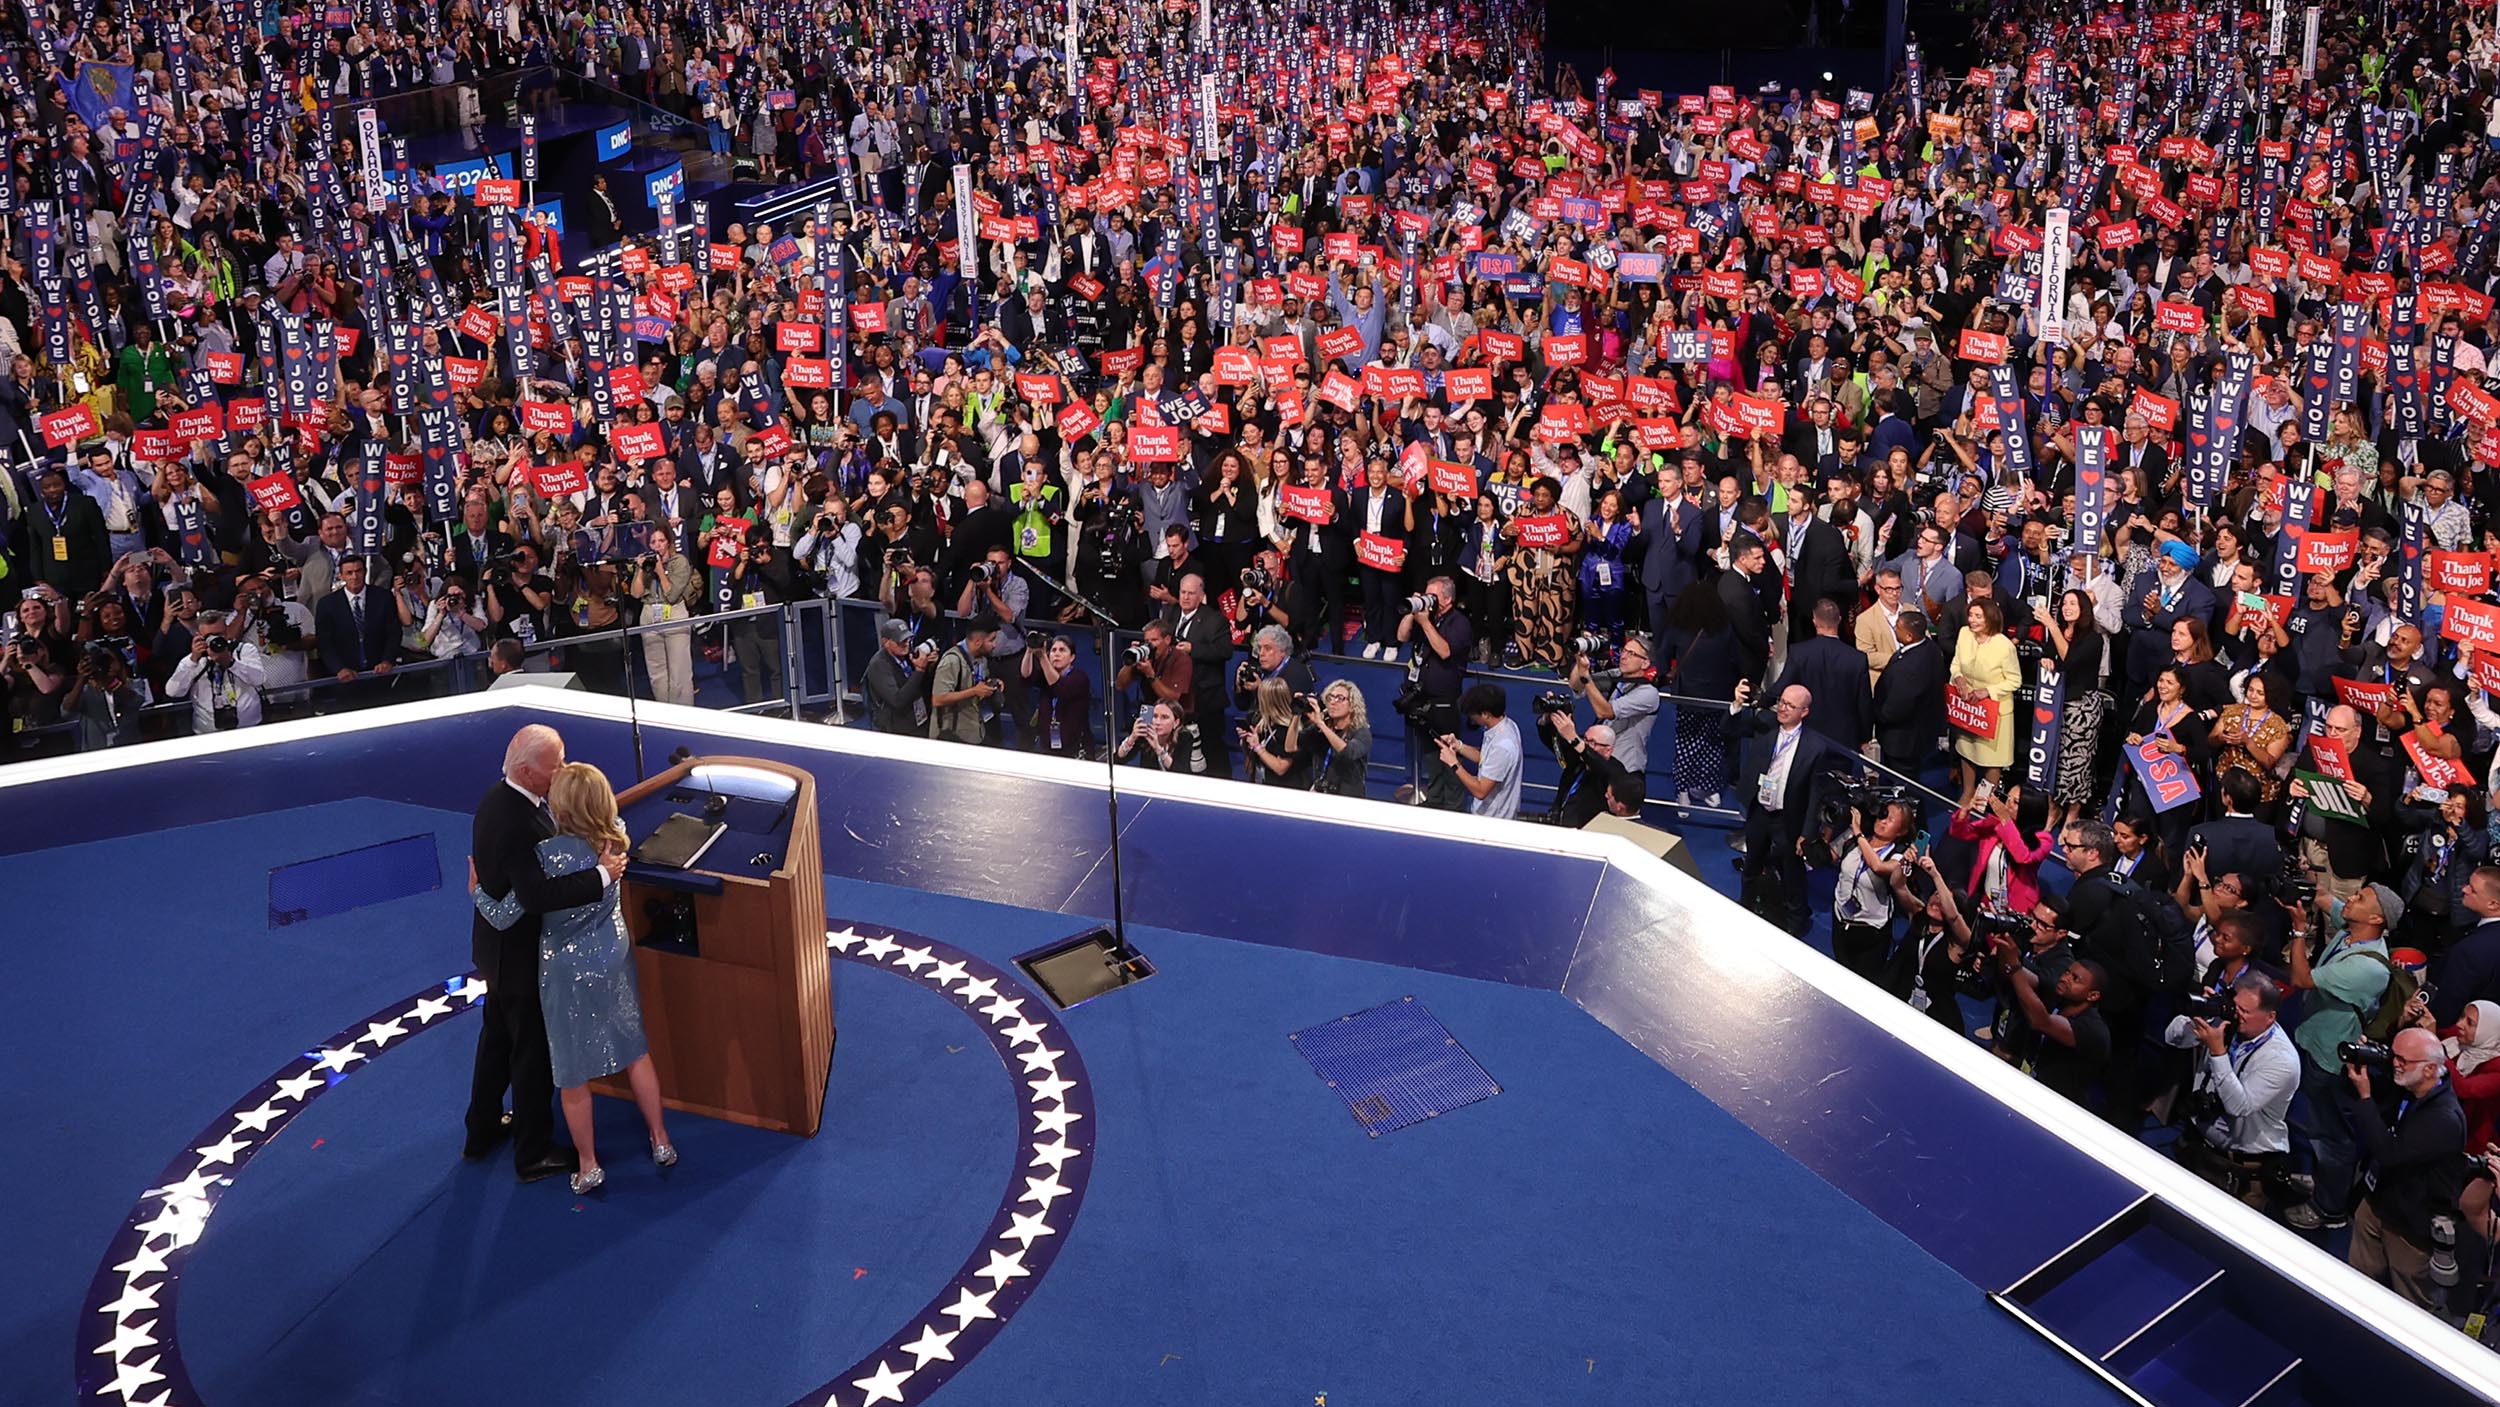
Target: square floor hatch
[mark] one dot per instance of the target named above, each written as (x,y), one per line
(1395,1065)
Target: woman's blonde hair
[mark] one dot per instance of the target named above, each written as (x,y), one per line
(584,805)
(1275,703)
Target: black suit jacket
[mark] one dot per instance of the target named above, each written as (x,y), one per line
(1909,701)
(1669,555)
(2238,845)
(1822,568)
(503,840)
(1808,772)
(1209,640)
(334,629)
(1835,673)
(1747,620)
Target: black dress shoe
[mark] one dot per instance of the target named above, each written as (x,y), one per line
(562,1160)
(476,1149)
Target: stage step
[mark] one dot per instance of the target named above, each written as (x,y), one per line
(2173,1315)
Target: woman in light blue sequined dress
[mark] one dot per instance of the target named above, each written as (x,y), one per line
(586,972)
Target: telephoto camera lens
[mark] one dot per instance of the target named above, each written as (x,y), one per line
(1139,653)
(1420,601)
(2443,1258)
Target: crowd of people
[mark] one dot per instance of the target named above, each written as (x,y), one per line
(2094,432)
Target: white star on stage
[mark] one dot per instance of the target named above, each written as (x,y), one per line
(258,1120)
(1050,1091)
(885,1385)
(1023,1033)
(1054,1120)
(1025,1229)
(878,947)
(979,989)
(914,959)
(1005,1009)
(1044,1190)
(132,1301)
(337,1059)
(428,1009)
(471,989)
(1051,1153)
(143,1263)
(128,1338)
(223,1150)
(191,1189)
(1003,1268)
(931,1344)
(381,1033)
(298,1087)
(182,1220)
(1041,1057)
(842,940)
(971,1307)
(947,974)
(130,1378)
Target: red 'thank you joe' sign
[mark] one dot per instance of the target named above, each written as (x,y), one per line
(1975,714)
(2475,623)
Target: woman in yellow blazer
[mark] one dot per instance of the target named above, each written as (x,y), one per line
(1984,664)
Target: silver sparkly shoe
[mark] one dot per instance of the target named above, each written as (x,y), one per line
(663,1155)
(591,1181)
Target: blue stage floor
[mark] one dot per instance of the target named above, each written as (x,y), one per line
(1597,1232)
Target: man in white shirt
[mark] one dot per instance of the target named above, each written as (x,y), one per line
(1493,785)
(2241,1096)
(222,677)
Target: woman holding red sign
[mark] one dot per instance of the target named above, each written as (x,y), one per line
(1544,589)
(1985,672)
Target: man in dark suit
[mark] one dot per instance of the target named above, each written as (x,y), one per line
(1819,568)
(1745,614)
(65,538)
(668,500)
(1835,674)
(512,1048)
(1667,548)
(2237,842)
(2177,594)
(1202,632)
(1909,699)
(1785,765)
(356,626)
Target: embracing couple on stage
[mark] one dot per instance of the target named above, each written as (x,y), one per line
(545,855)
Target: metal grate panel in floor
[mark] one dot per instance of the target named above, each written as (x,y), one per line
(353,879)
(1394,1065)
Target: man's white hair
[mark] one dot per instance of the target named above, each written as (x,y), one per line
(536,740)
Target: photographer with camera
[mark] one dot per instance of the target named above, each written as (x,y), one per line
(220,676)
(279,629)
(992,585)
(2345,981)
(1495,784)
(1441,638)
(829,550)
(104,699)
(1935,958)
(1272,656)
(960,686)
(1625,697)
(664,581)
(1344,726)
(2235,1131)
(1876,857)
(1164,739)
(1063,720)
(2410,1130)
(1160,669)
(897,680)
(1590,769)
(2071,1054)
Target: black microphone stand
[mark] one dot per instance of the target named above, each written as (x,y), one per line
(1104,625)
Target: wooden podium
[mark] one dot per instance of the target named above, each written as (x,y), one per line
(742,1027)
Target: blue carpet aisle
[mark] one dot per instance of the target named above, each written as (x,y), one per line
(1596,1232)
